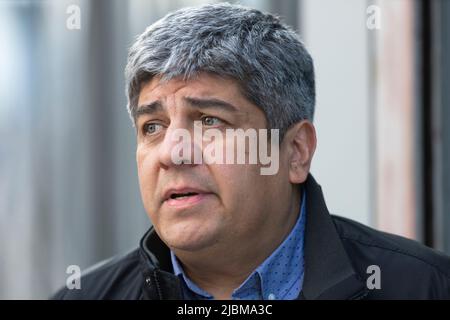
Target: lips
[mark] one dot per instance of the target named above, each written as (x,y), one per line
(182,193)
(185,198)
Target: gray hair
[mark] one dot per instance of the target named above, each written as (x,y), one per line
(266,57)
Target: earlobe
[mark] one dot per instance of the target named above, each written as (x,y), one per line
(297,173)
(302,145)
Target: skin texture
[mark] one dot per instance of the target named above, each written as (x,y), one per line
(242,216)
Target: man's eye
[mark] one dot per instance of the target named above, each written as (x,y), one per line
(211,121)
(151,128)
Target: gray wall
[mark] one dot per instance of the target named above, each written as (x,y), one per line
(335,32)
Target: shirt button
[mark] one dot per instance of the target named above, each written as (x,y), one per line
(271,296)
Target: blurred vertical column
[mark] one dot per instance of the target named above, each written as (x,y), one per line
(395,107)
(68,186)
(19,107)
(335,33)
(437,137)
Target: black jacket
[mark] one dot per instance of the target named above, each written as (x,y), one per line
(338,252)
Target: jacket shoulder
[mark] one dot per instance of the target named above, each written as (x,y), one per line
(408,269)
(116,278)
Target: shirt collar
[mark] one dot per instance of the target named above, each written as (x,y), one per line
(196,290)
(281,273)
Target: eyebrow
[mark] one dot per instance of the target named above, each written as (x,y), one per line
(150,108)
(210,103)
(199,103)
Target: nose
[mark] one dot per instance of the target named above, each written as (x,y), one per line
(181,146)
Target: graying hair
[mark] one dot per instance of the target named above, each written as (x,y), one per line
(273,69)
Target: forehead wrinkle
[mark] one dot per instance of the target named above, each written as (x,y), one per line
(156,85)
(167,92)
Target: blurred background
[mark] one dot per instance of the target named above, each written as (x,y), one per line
(68,183)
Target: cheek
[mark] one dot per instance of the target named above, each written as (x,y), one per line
(147,177)
(247,196)
(238,185)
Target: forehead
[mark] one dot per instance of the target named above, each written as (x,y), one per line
(205,85)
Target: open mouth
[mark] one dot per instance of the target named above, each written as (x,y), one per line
(180,199)
(182,195)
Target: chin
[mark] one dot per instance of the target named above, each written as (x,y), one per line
(188,241)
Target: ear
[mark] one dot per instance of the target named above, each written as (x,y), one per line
(301,143)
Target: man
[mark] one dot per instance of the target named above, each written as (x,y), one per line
(223,229)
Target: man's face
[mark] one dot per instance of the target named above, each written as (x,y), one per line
(225,204)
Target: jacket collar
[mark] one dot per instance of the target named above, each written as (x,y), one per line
(328,270)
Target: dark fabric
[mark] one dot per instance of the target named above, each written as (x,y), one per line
(338,252)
